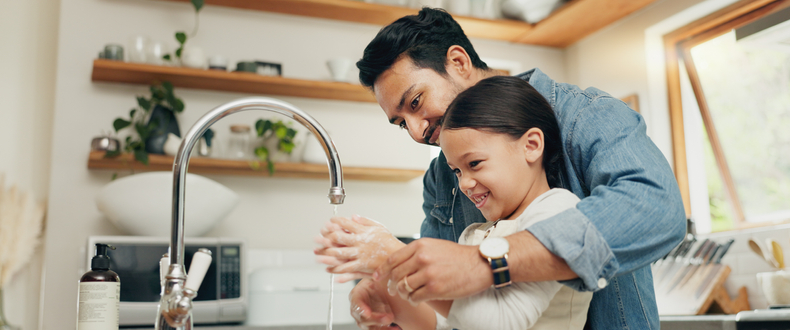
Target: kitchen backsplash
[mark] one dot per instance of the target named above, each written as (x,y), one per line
(746,264)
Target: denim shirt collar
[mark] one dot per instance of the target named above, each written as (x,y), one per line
(542,83)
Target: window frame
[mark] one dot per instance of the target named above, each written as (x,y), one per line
(677,50)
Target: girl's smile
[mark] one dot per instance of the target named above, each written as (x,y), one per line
(499,173)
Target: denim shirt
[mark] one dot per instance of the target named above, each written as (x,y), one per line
(630,213)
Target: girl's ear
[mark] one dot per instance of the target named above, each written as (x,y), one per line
(532,142)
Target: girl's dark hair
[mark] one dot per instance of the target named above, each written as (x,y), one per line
(424,37)
(509,105)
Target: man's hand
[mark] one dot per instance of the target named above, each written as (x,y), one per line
(436,269)
(370,307)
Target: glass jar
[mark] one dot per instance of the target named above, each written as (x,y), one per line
(239,143)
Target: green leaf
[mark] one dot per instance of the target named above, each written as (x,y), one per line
(157,94)
(144,103)
(141,156)
(263,126)
(178,51)
(198,5)
(262,153)
(286,146)
(168,87)
(182,38)
(142,130)
(134,145)
(120,124)
(166,57)
(281,131)
(131,113)
(177,104)
(114,176)
(259,127)
(270,166)
(291,133)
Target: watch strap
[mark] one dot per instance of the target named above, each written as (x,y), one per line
(501,272)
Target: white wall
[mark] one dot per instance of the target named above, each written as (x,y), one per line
(28,33)
(614,60)
(273,213)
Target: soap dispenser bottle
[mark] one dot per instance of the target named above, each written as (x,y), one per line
(100,294)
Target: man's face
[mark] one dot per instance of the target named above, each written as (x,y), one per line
(415,98)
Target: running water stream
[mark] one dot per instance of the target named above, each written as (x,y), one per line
(331,294)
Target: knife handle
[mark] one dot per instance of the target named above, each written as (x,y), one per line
(712,254)
(724,249)
(711,246)
(688,247)
(678,249)
(702,247)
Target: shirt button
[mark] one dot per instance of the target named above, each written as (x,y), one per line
(602,283)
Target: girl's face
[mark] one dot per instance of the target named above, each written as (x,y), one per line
(500,174)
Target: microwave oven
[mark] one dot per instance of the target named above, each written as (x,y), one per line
(221,299)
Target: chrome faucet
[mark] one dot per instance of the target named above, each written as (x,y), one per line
(175,306)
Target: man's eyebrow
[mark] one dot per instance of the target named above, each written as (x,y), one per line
(400,104)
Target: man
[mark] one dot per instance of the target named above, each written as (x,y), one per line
(631,212)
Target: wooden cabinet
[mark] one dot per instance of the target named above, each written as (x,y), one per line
(565,26)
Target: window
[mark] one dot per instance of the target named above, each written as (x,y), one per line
(729,89)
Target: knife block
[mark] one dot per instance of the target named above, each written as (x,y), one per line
(713,300)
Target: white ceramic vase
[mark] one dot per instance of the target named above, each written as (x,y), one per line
(141,204)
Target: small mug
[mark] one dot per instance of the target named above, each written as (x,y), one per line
(113,52)
(338,68)
(218,62)
(775,286)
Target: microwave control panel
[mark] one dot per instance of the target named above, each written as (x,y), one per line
(230,272)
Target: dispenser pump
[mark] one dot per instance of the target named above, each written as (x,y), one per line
(100,294)
(101,261)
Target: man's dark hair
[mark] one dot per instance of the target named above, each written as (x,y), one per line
(509,105)
(424,37)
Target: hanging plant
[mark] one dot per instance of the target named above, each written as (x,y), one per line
(181,36)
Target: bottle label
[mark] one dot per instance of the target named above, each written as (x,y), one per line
(98,305)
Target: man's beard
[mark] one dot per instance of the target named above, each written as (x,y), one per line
(457,88)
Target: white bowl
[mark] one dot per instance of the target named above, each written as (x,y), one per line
(141,204)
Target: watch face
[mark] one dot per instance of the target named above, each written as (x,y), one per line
(494,247)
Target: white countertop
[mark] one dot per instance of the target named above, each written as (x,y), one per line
(285,327)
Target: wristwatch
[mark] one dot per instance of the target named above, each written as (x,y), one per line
(495,249)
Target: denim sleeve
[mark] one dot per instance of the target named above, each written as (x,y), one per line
(631,212)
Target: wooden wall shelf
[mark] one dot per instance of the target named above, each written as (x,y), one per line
(567,25)
(198,165)
(242,82)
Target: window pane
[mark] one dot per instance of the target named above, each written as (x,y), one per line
(748,92)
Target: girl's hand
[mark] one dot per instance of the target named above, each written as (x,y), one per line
(355,247)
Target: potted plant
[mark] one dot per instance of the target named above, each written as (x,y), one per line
(151,120)
(278,137)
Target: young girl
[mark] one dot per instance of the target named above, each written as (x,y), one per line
(502,140)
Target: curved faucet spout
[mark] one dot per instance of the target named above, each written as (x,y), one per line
(181,162)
